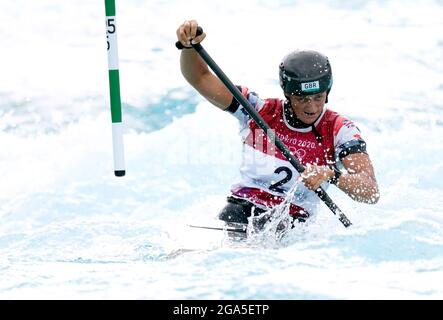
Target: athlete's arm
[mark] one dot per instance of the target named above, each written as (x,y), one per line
(358,182)
(196,71)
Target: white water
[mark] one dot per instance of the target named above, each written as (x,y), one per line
(70,229)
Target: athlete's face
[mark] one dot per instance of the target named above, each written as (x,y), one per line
(308,108)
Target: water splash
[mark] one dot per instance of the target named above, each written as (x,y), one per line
(272,227)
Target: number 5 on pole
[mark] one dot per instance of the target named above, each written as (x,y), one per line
(114,89)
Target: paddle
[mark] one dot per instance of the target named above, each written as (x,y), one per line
(263,125)
(240,230)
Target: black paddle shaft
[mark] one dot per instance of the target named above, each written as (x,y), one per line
(243,230)
(264,126)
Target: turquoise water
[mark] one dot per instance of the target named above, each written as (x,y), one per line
(70,229)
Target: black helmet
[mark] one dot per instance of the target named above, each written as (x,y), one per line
(305,72)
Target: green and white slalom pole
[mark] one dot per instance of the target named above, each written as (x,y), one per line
(114,88)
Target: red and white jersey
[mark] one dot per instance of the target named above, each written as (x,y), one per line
(266,175)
